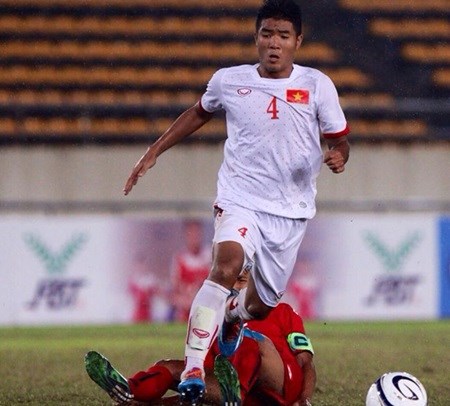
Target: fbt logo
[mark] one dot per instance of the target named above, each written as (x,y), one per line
(393,287)
(56,291)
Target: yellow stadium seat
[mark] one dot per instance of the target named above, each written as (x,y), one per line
(411,28)
(396,5)
(392,128)
(427,53)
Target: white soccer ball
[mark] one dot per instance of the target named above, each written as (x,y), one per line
(396,389)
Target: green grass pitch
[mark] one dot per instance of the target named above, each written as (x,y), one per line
(44,365)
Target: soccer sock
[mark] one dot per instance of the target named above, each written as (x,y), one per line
(207,312)
(150,385)
(236,310)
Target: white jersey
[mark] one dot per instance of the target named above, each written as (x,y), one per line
(272,154)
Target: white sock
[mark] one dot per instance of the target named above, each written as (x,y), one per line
(205,317)
(194,362)
(236,310)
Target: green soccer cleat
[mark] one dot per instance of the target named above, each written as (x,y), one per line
(228,381)
(107,377)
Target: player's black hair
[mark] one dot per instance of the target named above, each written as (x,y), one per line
(288,10)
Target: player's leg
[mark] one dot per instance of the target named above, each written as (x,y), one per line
(238,226)
(275,258)
(228,380)
(229,258)
(261,371)
(241,305)
(271,372)
(208,307)
(236,233)
(107,377)
(248,305)
(247,362)
(152,384)
(206,314)
(279,380)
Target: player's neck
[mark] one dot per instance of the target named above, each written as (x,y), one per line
(264,73)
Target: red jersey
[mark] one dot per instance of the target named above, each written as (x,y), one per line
(189,270)
(281,321)
(192,269)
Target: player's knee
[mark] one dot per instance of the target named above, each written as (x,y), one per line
(225,274)
(227,264)
(163,362)
(174,367)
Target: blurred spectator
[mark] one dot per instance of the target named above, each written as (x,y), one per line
(143,286)
(190,268)
(303,290)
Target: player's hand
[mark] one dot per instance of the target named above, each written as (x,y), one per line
(146,162)
(334,160)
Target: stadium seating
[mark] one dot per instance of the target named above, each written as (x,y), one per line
(121,71)
(397,5)
(421,28)
(442,77)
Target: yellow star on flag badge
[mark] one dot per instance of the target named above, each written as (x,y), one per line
(297,96)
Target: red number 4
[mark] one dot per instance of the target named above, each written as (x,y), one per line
(243,231)
(272,109)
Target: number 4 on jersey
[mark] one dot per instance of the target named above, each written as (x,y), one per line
(243,231)
(272,108)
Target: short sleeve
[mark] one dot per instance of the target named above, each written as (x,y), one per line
(211,100)
(331,117)
(291,321)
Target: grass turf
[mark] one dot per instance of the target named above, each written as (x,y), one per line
(44,365)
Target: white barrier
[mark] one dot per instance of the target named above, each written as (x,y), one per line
(380,267)
(82,269)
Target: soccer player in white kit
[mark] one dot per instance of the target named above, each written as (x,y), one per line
(276,113)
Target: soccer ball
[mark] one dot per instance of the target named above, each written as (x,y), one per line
(396,389)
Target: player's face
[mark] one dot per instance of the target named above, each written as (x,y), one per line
(242,280)
(277,43)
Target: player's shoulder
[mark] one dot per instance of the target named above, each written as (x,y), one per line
(231,72)
(285,308)
(314,74)
(238,68)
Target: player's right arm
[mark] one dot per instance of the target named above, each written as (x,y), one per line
(187,123)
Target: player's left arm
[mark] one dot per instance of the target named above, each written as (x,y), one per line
(305,360)
(301,345)
(333,125)
(338,153)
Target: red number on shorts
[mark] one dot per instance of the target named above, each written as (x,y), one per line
(272,109)
(243,231)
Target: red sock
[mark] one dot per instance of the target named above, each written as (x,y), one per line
(151,384)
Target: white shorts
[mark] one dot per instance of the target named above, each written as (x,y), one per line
(270,244)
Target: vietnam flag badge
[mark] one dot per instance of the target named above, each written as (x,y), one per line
(297,96)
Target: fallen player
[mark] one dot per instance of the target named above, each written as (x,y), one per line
(272,366)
